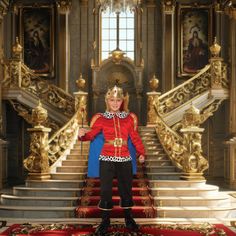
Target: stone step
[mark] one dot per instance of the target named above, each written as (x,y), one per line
(54,183)
(153,158)
(148,138)
(206,190)
(196,211)
(37,211)
(69,176)
(140,221)
(44,192)
(78,152)
(11,200)
(71,169)
(74,163)
(220,200)
(86,145)
(164,162)
(176,183)
(77,157)
(163,176)
(160,169)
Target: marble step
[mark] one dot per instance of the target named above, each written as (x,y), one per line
(193,211)
(160,169)
(160,157)
(74,163)
(205,190)
(151,163)
(148,138)
(77,151)
(95,221)
(219,200)
(176,183)
(37,212)
(68,176)
(77,157)
(86,145)
(54,183)
(163,176)
(71,169)
(12,200)
(44,192)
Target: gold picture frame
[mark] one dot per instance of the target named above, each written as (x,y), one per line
(194,38)
(37,37)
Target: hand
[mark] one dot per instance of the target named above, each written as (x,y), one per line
(82,132)
(141,159)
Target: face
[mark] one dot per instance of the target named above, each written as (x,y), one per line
(114,104)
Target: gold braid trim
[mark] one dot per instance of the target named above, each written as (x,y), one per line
(94,119)
(135,119)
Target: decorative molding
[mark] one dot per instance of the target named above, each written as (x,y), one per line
(64,6)
(3,9)
(169,6)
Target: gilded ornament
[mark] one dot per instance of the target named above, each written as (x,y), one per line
(215,49)
(153,83)
(117,56)
(81,82)
(39,115)
(17,48)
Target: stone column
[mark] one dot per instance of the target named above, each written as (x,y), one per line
(63,7)
(230,151)
(168,63)
(3,150)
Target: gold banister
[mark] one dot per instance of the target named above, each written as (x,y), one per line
(18,75)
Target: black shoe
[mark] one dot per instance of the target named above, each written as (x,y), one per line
(101,230)
(131,224)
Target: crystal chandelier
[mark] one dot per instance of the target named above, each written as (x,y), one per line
(117,6)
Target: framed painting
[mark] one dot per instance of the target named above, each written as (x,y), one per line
(195,37)
(37,38)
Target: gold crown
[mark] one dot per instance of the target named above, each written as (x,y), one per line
(115,92)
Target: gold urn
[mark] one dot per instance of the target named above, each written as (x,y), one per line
(17,48)
(80,82)
(215,49)
(153,83)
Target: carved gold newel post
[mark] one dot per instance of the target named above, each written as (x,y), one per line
(152,102)
(193,162)
(218,68)
(81,98)
(38,163)
(15,64)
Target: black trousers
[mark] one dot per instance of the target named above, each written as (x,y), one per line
(123,172)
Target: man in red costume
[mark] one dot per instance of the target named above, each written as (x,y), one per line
(117,125)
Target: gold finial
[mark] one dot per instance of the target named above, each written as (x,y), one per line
(153,83)
(80,82)
(191,117)
(17,48)
(117,55)
(215,49)
(39,114)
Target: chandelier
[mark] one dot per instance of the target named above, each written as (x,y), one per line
(118,6)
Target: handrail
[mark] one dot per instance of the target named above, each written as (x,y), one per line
(63,139)
(185,91)
(17,74)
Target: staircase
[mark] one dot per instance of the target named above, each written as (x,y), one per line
(159,188)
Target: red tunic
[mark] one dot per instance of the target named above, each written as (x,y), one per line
(113,126)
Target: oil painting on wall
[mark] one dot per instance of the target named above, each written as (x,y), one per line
(195,28)
(37,28)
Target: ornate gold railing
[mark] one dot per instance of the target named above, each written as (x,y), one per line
(62,139)
(182,142)
(18,75)
(213,76)
(185,150)
(184,92)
